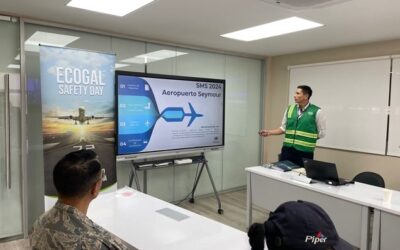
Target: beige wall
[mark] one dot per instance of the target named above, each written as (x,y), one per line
(276,96)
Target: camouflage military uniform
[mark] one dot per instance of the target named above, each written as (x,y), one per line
(65,227)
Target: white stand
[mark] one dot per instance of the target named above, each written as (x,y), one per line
(149,165)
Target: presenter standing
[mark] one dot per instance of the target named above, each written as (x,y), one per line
(303,124)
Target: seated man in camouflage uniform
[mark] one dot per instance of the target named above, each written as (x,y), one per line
(78,178)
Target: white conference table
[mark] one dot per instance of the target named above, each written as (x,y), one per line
(348,206)
(385,235)
(146,222)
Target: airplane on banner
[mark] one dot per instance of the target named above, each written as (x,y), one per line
(81,118)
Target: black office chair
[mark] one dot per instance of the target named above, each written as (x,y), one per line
(370,178)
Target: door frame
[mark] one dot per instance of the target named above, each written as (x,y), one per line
(24,141)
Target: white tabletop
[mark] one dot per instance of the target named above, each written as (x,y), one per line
(360,193)
(133,216)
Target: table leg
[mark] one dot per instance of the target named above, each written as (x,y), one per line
(249,202)
(376,230)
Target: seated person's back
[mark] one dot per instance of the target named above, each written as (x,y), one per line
(78,178)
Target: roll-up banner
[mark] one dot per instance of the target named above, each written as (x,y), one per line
(77,108)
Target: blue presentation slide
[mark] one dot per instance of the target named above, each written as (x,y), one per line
(158,114)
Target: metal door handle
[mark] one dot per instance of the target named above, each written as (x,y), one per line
(7,129)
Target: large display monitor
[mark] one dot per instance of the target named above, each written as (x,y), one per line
(165,115)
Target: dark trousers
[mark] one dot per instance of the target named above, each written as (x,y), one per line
(295,156)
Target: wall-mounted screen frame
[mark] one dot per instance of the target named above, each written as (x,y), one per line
(164,115)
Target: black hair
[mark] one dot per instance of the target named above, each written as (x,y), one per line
(256,235)
(268,231)
(306,90)
(76,173)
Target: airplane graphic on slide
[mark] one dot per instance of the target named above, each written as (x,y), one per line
(177,114)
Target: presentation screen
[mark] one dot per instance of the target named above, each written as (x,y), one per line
(164,115)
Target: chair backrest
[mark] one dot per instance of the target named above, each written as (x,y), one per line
(370,178)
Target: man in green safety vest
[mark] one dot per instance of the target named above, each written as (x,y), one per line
(303,124)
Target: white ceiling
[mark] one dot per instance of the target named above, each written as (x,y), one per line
(200,23)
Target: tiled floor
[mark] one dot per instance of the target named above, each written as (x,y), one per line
(234,206)
(15,245)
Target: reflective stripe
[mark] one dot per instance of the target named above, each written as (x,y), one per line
(290,111)
(287,140)
(301,143)
(305,144)
(309,135)
(289,132)
(301,133)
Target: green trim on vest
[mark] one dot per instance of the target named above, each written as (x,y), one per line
(301,133)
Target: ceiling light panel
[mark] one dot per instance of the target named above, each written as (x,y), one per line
(13,66)
(304,4)
(46,38)
(121,65)
(277,28)
(112,7)
(154,56)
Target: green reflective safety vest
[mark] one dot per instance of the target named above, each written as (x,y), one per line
(301,133)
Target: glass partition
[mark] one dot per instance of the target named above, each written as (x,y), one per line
(242,115)
(10,129)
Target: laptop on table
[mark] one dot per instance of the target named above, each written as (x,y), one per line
(323,171)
